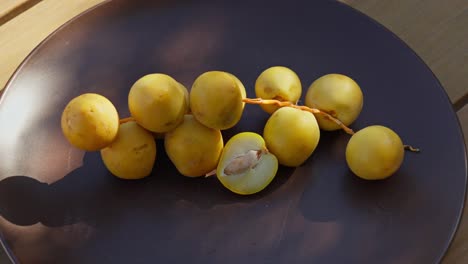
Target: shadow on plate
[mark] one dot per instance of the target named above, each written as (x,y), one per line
(90,193)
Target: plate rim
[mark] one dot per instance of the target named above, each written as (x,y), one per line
(455,228)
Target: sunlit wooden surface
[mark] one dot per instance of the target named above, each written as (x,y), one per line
(436,30)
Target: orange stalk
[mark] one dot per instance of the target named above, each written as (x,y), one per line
(127,119)
(260,101)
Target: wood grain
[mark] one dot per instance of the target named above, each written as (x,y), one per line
(11,8)
(463,118)
(458,251)
(22,34)
(436,30)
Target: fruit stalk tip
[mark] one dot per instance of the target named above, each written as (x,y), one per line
(211,173)
(411,148)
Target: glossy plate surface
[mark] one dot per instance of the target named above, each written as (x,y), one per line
(60,205)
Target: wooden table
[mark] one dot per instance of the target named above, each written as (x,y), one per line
(436,30)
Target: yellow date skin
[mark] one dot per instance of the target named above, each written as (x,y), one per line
(132,154)
(338,95)
(278,82)
(194,148)
(291,135)
(216,99)
(90,122)
(374,153)
(158,102)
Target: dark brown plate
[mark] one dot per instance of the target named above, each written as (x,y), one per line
(60,205)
